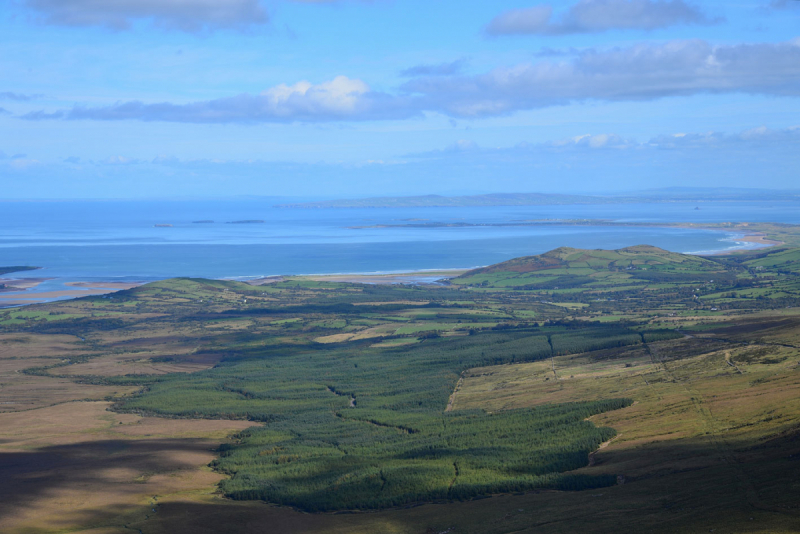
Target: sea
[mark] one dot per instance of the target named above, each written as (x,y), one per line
(152,240)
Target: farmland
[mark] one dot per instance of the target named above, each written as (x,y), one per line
(550,382)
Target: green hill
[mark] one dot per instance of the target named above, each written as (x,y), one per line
(566,267)
(16,268)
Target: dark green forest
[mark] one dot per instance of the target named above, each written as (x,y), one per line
(358,426)
(351,383)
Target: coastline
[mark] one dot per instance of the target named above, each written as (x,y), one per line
(413,277)
(23,291)
(29,294)
(759,239)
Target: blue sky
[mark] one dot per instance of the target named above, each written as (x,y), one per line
(165,98)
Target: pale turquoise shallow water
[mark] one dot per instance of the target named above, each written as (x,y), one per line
(119,240)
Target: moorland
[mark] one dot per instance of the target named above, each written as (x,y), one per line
(592,390)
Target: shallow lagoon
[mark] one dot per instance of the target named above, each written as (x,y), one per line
(120,240)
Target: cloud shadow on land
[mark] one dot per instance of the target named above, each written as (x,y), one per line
(113,471)
(680,485)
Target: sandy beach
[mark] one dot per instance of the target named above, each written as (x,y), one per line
(14,284)
(418,277)
(19,290)
(411,277)
(759,239)
(112,286)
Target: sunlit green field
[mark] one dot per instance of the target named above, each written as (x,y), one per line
(565,373)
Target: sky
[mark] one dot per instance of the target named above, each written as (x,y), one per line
(354,98)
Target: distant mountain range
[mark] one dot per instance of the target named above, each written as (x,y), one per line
(673,194)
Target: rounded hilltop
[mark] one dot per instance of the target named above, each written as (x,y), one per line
(572,267)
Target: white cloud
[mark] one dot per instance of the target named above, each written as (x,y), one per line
(593,162)
(341,96)
(463,145)
(21,164)
(588,16)
(639,72)
(605,140)
(760,137)
(521,21)
(757,139)
(121,160)
(633,73)
(20,97)
(439,69)
(187,15)
(784,4)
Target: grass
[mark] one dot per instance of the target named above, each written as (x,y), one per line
(16,269)
(101,465)
(388,416)
(21,317)
(392,446)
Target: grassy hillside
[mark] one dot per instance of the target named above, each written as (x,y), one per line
(16,268)
(580,261)
(603,273)
(377,397)
(356,426)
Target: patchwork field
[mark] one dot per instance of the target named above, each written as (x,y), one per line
(631,390)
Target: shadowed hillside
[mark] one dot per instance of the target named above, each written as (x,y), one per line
(660,384)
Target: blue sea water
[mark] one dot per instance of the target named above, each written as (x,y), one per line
(119,240)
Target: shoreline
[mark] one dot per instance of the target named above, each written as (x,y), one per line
(367,276)
(16,298)
(761,241)
(24,290)
(422,277)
